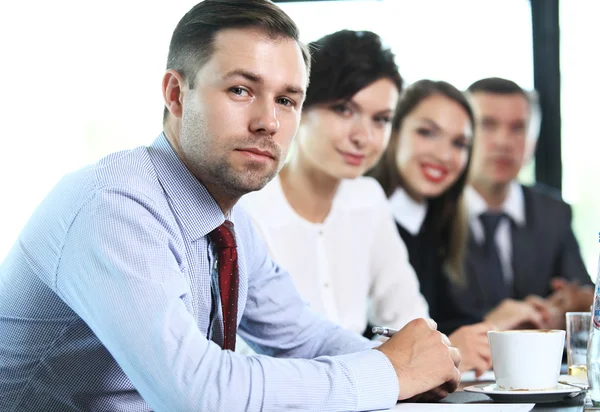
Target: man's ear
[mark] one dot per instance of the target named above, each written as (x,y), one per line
(172,88)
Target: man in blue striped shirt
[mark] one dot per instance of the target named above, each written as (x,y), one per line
(108,295)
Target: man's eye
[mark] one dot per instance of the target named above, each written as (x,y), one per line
(239,91)
(285,101)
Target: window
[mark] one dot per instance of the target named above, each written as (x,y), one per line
(579,32)
(459,41)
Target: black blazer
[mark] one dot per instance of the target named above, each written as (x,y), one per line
(423,251)
(542,249)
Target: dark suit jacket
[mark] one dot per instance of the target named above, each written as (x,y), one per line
(542,249)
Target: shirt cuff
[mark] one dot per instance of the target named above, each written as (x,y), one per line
(375,378)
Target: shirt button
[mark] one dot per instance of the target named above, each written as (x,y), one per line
(320,233)
(326,284)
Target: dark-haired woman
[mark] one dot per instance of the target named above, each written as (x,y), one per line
(327,225)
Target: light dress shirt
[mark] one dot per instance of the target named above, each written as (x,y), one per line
(106,306)
(513,207)
(353,267)
(409,213)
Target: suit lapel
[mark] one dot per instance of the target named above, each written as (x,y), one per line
(478,291)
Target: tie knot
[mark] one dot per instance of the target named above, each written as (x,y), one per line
(490,222)
(223,236)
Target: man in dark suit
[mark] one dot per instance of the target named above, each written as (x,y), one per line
(522,250)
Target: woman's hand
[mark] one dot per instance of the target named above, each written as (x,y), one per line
(472,342)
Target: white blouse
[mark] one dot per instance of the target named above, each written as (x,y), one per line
(352,267)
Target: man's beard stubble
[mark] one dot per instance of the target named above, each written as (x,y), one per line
(210,162)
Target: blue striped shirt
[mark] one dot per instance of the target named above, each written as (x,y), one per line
(105,305)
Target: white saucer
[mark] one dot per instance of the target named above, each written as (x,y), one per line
(502,395)
(469,376)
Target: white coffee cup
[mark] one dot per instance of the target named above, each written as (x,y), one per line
(527,359)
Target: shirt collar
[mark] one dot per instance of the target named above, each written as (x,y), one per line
(193,205)
(513,206)
(409,213)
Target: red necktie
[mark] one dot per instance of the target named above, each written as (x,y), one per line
(224,241)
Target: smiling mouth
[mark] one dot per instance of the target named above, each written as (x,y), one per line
(352,159)
(434,173)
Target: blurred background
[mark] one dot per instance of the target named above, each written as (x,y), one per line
(81,79)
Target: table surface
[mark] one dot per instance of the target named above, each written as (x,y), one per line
(571,405)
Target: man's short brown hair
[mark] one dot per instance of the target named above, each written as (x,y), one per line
(192,43)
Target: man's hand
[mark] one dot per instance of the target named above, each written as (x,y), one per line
(472,342)
(513,314)
(570,297)
(554,318)
(424,360)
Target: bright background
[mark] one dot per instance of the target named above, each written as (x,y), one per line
(82,79)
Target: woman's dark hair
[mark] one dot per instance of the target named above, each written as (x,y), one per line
(345,62)
(446,215)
